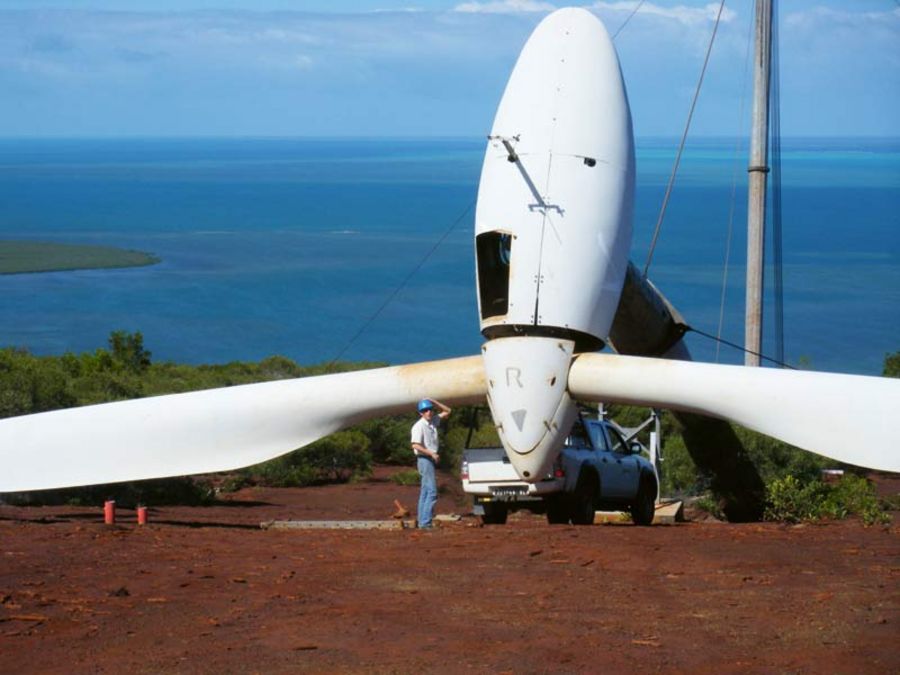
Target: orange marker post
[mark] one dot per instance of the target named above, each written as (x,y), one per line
(142,515)
(109,512)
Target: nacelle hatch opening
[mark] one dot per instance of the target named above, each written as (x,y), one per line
(493,251)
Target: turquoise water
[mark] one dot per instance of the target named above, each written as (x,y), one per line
(286,246)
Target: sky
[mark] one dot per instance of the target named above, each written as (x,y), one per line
(389,68)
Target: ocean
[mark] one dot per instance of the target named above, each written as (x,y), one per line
(292,246)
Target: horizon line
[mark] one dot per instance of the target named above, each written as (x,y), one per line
(392,137)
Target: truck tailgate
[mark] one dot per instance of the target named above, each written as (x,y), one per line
(490,465)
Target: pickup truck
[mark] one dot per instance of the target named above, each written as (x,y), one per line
(596,469)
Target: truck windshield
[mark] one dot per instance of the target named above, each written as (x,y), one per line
(618,444)
(597,436)
(577,437)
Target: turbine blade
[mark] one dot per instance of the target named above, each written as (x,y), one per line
(845,417)
(216,429)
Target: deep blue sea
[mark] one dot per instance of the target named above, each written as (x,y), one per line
(288,246)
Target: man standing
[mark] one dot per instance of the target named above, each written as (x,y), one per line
(424,440)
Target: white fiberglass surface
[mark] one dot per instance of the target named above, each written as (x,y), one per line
(567,196)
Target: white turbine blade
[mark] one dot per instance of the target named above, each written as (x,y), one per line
(849,418)
(216,429)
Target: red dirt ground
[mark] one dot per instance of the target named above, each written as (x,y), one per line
(205,590)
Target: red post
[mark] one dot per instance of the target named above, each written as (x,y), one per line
(109,512)
(142,515)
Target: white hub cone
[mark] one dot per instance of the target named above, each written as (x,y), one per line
(526,380)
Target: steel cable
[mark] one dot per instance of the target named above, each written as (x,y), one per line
(400,287)
(687,126)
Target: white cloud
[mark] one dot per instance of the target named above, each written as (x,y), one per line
(37,67)
(133,72)
(504,7)
(681,13)
(827,35)
(302,62)
(821,16)
(287,62)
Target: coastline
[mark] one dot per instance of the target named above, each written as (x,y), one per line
(36,257)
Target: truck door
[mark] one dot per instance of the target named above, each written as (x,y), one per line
(627,469)
(578,448)
(610,471)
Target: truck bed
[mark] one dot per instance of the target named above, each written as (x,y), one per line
(490,465)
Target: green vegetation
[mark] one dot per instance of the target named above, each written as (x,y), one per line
(791,500)
(710,505)
(19,257)
(190,491)
(680,476)
(795,495)
(124,370)
(334,459)
(892,365)
(406,477)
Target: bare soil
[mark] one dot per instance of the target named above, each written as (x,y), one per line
(203,590)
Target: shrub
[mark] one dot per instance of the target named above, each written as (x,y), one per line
(127,351)
(156,491)
(679,474)
(335,458)
(854,495)
(776,459)
(791,500)
(891,365)
(31,384)
(235,482)
(279,368)
(389,438)
(710,505)
(406,477)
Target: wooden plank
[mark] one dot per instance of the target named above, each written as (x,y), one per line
(337,524)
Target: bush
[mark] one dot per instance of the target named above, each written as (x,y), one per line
(389,438)
(679,474)
(775,459)
(31,384)
(127,351)
(854,495)
(710,505)
(336,458)
(157,491)
(791,500)
(407,477)
(891,365)
(235,482)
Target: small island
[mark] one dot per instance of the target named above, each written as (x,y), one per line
(23,257)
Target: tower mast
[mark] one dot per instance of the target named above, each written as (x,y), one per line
(758,170)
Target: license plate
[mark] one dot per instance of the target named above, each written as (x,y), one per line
(504,491)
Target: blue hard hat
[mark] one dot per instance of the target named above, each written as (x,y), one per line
(424,405)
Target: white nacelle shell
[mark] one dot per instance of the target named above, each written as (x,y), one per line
(565,101)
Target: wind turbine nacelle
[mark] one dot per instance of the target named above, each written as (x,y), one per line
(555,202)
(552,229)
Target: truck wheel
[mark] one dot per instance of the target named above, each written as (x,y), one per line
(494,514)
(583,499)
(644,507)
(557,511)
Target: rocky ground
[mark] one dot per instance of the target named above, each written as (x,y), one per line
(202,590)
